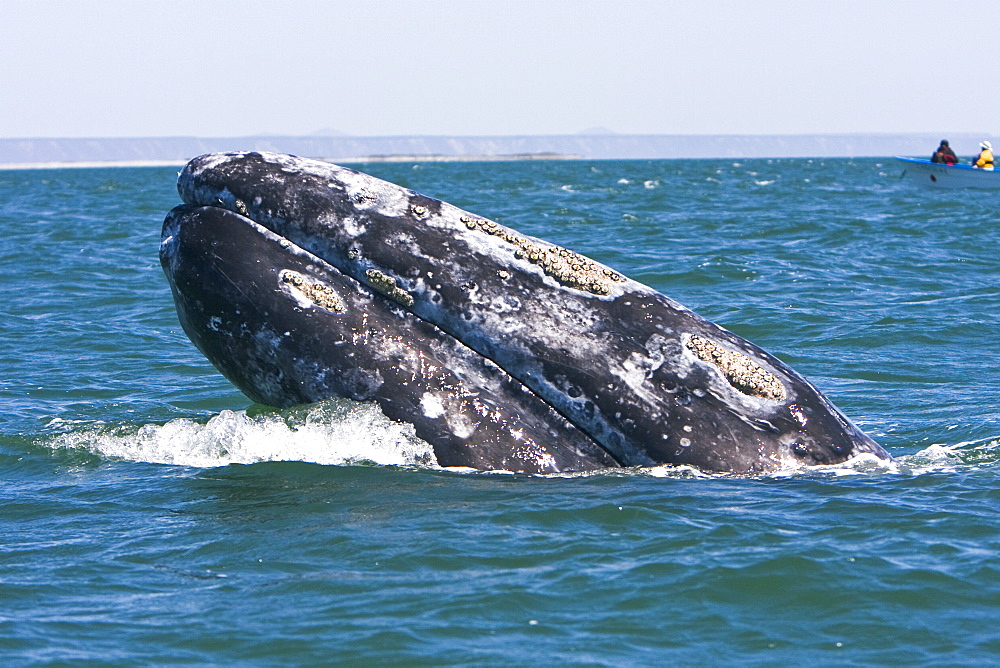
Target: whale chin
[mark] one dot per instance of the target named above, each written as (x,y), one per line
(301,280)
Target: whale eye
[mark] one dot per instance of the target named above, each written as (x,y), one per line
(801,450)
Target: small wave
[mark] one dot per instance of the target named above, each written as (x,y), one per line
(935,458)
(981,453)
(326,433)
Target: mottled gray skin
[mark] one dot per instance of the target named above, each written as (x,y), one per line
(286,328)
(617,360)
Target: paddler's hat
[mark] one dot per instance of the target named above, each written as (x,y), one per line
(985,144)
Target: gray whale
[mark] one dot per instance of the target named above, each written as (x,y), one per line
(646,379)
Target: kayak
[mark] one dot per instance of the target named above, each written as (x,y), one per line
(939,175)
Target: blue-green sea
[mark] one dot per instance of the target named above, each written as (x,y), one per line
(150,514)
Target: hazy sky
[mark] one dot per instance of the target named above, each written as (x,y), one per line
(394,67)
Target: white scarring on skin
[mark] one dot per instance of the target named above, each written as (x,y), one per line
(431,405)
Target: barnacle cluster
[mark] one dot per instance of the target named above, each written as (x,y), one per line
(567,267)
(742,372)
(387,286)
(319,293)
(364,195)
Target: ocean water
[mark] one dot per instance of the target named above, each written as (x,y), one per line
(150,514)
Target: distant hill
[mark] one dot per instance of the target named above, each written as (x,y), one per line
(588,146)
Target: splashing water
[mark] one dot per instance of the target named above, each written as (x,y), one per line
(330,432)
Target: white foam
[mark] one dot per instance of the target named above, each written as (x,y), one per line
(325,433)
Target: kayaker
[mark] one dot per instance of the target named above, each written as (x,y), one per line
(985,158)
(944,154)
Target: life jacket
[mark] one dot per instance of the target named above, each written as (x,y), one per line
(985,159)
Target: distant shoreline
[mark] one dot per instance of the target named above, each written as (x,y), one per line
(61,153)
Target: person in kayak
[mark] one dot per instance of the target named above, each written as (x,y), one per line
(985,158)
(944,154)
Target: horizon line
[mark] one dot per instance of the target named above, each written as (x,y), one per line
(265,135)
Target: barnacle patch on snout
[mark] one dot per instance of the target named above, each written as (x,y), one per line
(569,268)
(387,286)
(739,370)
(313,290)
